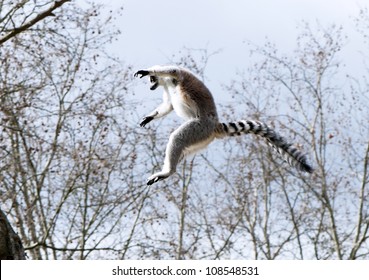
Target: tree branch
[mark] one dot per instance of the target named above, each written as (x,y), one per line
(41,16)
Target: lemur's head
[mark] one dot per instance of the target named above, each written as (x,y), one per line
(169,78)
(154,82)
(159,81)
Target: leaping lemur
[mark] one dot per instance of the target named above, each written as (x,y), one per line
(192,101)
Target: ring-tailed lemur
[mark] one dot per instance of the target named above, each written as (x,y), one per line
(192,101)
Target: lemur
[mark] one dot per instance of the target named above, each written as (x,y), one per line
(191,100)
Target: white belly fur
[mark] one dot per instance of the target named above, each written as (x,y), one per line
(180,106)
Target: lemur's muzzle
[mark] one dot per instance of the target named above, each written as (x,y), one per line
(154,82)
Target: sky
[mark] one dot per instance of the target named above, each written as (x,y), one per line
(154,31)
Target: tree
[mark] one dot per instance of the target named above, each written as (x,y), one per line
(63,139)
(74,159)
(291,215)
(15,16)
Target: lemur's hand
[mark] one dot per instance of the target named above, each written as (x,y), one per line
(143,73)
(146,120)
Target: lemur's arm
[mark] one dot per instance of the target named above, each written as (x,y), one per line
(163,109)
(157,75)
(159,71)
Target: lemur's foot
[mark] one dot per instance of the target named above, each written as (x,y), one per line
(156,178)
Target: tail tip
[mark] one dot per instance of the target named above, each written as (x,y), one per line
(306,168)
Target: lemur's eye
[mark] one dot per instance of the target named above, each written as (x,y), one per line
(153,79)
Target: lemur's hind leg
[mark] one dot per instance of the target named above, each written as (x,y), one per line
(172,158)
(186,139)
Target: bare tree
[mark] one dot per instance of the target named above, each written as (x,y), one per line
(250,204)
(298,216)
(74,160)
(237,199)
(65,148)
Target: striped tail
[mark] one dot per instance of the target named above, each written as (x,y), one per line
(291,154)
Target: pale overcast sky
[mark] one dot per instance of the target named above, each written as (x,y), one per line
(154,30)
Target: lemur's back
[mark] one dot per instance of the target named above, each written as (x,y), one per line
(195,93)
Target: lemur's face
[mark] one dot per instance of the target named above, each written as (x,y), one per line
(159,81)
(154,82)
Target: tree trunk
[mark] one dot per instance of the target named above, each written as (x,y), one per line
(11,247)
